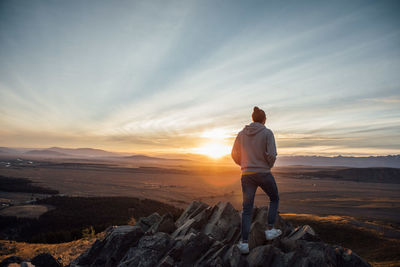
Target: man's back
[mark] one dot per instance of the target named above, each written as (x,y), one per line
(251,147)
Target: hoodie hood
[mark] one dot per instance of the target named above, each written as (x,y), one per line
(253,128)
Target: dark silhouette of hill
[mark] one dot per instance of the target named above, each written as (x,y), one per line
(371,175)
(74,214)
(12,184)
(390,161)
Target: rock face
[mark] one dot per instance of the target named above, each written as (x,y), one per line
(207,236)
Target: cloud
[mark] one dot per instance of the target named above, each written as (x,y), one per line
(145,76)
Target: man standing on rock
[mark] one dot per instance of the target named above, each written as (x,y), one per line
(255,151)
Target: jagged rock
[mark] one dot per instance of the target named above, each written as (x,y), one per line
(194,245)
(285,226)
(146,222)
(304,232)
(194,223)
(148,251)
(192,210)
(207,236)
(213,256)
(266,255)
(110,250)
(223,221)
(166,224)
(256,235)
(45,260)
(9,260)
(234,258)
(168,261)
(286,244)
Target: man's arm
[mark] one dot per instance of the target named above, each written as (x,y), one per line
(236,153)
(271,149)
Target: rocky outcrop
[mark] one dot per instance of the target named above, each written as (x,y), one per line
(207,236)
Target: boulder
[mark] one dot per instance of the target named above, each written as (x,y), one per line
(192,210)
(223,221)
(146,222)
(148,252)
(166,224)
(266,255)
(304,232)
(194,223)
(257,235)
(194,245)
(207,236)
(45,260)
(110,250)
(234,258)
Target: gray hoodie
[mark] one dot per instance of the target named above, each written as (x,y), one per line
(251,146)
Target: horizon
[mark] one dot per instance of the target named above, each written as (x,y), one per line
(160,77)
(225,156)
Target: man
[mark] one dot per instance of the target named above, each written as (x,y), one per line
(255,151)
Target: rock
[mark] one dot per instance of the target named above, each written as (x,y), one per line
(26,264)
(148,251)
(304,232)
(285,226)
(266,255)
(45,260)
(9,260)
(192,210)
(286,244)
(234,258)
(110,250)
(207,236)
(166,224)
(213,255)
(168,261)
(256,235)
(195,223)
(222,222)
(194,245)
(146,222)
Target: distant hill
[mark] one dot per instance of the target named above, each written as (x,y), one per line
(391,161)
(46,153)
(7,150)
(370,175)
(87,152)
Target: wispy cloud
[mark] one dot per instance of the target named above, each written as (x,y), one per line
(155,75)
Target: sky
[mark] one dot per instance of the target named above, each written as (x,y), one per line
(183,76)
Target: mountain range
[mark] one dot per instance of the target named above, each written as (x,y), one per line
(391,161)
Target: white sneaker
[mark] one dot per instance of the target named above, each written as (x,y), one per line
(243,247)
(273,233)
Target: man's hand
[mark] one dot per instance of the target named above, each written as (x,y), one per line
(270,159)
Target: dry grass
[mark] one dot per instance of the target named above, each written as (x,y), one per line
(64,252)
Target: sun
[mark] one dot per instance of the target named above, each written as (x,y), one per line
(213,150)
(214,143)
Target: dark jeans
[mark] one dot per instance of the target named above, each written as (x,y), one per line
(250,183)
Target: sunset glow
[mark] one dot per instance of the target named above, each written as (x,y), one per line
(213,150)
(171,77)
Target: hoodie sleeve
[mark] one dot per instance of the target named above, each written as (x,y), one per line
(271,146)
(236,153)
